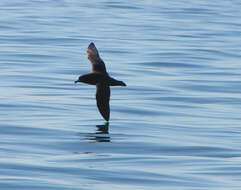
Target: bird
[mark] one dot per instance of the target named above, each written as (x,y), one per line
(99,77)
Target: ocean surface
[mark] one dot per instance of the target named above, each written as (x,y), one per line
(177,124)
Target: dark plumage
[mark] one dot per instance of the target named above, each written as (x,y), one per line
(101,79)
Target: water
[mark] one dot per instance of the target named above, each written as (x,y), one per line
(175,126)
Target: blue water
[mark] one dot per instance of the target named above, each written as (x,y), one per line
(176,125)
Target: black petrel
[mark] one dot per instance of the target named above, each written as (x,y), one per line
(101,79)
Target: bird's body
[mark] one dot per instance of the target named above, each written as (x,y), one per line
(95,77)
(101,79)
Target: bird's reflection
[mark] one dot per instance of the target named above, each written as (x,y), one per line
(101,134)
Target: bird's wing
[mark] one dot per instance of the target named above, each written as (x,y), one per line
(103,99)
(98,64)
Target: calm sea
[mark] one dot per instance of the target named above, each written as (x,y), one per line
(177,124)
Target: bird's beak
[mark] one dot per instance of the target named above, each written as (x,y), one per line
(76,81)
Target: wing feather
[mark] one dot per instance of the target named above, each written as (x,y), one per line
(103,99)
(98,64)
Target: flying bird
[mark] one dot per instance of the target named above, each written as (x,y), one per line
(99,77)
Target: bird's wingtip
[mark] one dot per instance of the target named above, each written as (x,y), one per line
(91,44)
(106,117)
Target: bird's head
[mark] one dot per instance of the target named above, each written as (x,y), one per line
(80,79)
